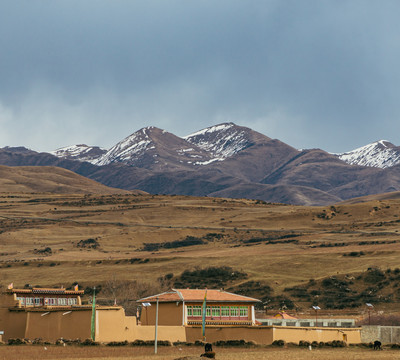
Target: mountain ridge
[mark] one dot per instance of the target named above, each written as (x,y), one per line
(222,160)
(381,154)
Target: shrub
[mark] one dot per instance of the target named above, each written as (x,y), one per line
(88,244)
(304,343)
(208,277)
(279,343)
(118,343)
(89,342)
(150,343)
(17,341)
(230,343)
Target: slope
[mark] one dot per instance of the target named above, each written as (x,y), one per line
(54,180)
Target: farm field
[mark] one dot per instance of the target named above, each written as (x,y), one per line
(118,353)
(98,240)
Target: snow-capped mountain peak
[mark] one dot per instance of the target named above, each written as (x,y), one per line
(381,154)
(130,148)
(154,148)
(224,140)
(80,152)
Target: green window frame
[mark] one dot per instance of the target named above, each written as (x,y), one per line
(234,311)
(225,311)
(197,310)
(216,311)
(244,311)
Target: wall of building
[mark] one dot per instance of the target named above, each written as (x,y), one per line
(13,324)
(54,325)
(295,334)
(169,314)
(113,325)
(257,334)
(266,335)
(385,334)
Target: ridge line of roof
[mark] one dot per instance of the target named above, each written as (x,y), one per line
(155,296)
(247,297)
(179,294)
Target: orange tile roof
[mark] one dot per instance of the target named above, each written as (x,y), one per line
(197,295)
(284,315)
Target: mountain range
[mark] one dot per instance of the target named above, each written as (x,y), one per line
(226,160)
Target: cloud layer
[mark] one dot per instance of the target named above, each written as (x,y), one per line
(311,73)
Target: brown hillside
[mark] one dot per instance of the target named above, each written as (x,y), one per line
(395,195)
(49,179)
(98,239)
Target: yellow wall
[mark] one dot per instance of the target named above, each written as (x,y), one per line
(113,325)
(295,334)
(266,335)
(248,333)
(12,323)
(55,325)
(168,314)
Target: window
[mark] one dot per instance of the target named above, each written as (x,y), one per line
(189,310)
(29,301)
(234,311)
(62,301)
(197,310)
(71,301)
(37,301)
(225,311)
(244,311)
(216,311)
(208,311)
(51,301)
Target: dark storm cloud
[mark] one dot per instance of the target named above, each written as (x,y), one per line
(311,73)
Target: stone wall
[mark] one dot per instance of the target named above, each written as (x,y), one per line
(385,334)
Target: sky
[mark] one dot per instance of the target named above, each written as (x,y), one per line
(313,73)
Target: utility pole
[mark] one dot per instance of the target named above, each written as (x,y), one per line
(155,336)
(370,307)
(316,308)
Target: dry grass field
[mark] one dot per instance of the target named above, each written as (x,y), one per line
(117,353)
(44,238)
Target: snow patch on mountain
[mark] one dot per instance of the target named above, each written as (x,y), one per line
(381,154)
(80,152)
(129,149)
(221,141)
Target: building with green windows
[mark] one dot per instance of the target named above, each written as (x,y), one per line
(184,307)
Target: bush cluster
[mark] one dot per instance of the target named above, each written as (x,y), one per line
(211,277)
(188,241)
(231,343)
(315,344)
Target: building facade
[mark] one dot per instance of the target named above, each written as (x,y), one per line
(39,297)
(184,307)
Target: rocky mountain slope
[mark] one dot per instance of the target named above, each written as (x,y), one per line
(223,160)
(79,152)
(225,140)
(153,148)
(381,154)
